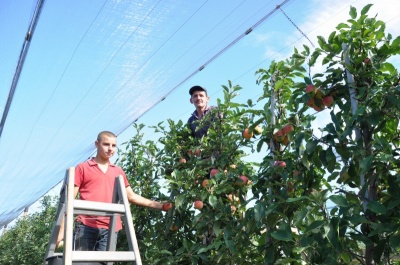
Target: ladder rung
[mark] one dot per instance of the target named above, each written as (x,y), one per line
(103,256)
(98,206)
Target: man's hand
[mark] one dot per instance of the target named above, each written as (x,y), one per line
(60,244)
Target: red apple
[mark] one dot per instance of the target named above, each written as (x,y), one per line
(197,152)
(311,103)
(233,208)
(213,172)
(247,134)
(367,60)
(285,140)
(241,181)
(288,128)
(198,205)
(280,164)
(279,136)
(328,101)
(182,160)
(310,89)
(167,206)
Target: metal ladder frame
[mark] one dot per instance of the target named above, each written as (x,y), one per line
(69,206)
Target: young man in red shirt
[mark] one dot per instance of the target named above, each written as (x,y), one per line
(94,181)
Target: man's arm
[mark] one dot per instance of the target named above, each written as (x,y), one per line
(141,201)
(61,232)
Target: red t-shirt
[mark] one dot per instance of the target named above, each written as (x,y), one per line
(95,185)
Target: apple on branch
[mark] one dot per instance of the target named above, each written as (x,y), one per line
(198,205)
(247,134)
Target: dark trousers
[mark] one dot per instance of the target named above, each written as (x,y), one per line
(90,239)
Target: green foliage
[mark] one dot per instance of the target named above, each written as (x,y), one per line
(357,149)
(185,235)
(26,242)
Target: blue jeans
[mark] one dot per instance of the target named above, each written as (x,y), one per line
(90,239)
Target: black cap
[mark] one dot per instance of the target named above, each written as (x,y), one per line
(196,88)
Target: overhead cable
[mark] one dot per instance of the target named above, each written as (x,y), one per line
(21,60)
(228,46)
(305,36)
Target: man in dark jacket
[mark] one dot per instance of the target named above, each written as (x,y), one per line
(199,98)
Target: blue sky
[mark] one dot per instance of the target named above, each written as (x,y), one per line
(72,94)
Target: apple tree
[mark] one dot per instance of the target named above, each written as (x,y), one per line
(210,170)
(334,201)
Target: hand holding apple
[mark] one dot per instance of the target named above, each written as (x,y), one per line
(167,206)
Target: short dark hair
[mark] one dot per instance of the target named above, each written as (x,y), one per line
(105,133)
(197,88)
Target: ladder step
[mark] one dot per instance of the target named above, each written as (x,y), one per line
(85,206)
(103,256)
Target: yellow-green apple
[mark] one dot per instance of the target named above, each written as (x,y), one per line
(258,130)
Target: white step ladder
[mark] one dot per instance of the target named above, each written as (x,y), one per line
(69,206)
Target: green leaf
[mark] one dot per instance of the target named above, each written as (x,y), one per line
(311,146)
(342,26)
(166,252)
(213,200)
(304,160)
(299,216)
(282,235)
(331,158)
(229,243)
(388,67)
(299,139)
(314,225)
(179,200)
(260,144)
(395,241)
(365,9)
(377,207)
(307,80)
(297,199)
(279,84)
(365,164)
(339,200)
(332,233)
(353,12)
(393,204)
(259,212)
